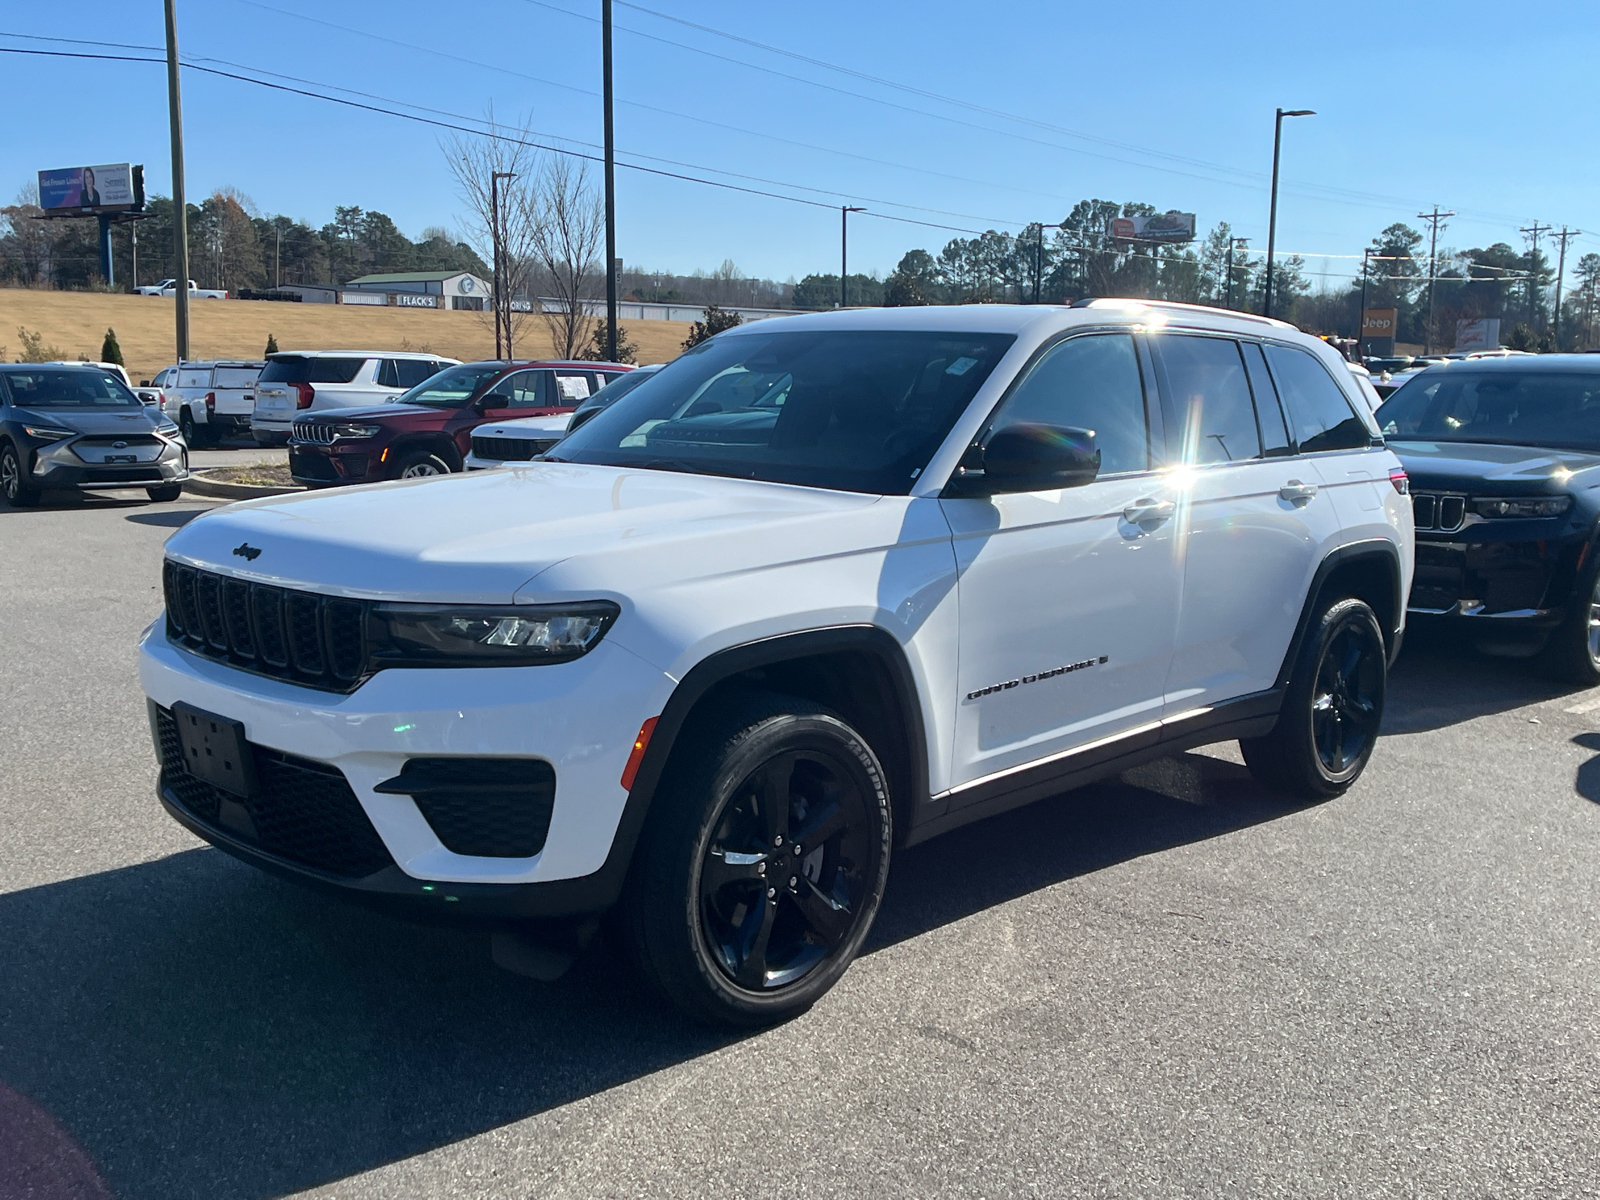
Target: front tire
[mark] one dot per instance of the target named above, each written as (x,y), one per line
(763,863)
(165,493)
(14,486)
(421,464)
(1331,710)
(1573,652)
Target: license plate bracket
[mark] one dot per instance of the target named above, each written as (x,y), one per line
(215,750)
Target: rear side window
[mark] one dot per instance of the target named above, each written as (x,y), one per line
(194,377)
(388,373)
(412,371)
(1322,417)
(1093,383)
(1207,386)
(300,369)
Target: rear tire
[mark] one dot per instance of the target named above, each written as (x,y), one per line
(165,493)
(1331,710)
(14,486)
(763,862)
(1573,651)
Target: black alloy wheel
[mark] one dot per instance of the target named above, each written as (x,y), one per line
(1573,651)
(762,863)
(16,490)
(1332,707)
(781,879)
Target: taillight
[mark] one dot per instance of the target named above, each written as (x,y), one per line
(1401,481)
(211,403)
(305,394)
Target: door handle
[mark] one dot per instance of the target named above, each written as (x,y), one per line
(1296,492)
(1149,510)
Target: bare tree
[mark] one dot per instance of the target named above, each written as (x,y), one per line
(568,225)
(475,162)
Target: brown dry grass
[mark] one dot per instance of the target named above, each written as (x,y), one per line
(76,322)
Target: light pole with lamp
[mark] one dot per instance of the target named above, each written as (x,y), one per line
(844,250)
(501,317)
(1272,220)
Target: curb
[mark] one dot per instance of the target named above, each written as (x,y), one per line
(198,485)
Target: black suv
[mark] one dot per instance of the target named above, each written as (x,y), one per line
(1504,460)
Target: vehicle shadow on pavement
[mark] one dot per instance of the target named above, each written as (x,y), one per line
(170,518)
(63,501)
(1440,681)
(1587,783)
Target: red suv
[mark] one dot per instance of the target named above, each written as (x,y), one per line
(428,430)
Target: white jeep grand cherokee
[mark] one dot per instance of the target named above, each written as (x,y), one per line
(823,586)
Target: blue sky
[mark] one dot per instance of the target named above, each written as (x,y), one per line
(1017,110)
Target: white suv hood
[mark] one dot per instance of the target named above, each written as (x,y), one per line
(484,537)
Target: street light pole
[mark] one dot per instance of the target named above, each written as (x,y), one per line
(180,214)
(1564,236)
(611,188)
(1241,243)
(844,251)
(1272,220)
(501,312)
(1361,321)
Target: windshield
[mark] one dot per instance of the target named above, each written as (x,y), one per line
(856,410)
(452,388)
(69,388)
(1519,408)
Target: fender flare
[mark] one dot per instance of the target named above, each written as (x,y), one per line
(437,443)
(1377,549)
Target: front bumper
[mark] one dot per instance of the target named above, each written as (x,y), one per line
(352,461)
(59,465)
(581,717)
(474,463)
(1509,589)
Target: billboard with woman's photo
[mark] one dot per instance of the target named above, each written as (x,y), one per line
(109,186)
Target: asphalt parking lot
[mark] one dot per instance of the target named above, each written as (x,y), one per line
(1168,985)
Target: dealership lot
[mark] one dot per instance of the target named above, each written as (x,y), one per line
(1177,987)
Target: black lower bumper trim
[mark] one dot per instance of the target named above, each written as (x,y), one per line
(391,890)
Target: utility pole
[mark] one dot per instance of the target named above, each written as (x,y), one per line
(277,259)
(180,215)
(134,230)
(1533,233)
(1361,321)
(1038,261)
(611,187)
(844,248)
(1241,243)
(1563,237)
(1272,220)
(1433,268)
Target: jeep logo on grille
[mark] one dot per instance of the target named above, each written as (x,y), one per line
(247,552)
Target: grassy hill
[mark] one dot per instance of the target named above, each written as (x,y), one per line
(75,323)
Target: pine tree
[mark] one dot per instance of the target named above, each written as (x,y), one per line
(109,350)
(627,351)
(272,345)
(715,321)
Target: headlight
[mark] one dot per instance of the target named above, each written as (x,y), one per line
(1523,506)
(355,431)
(46,433)
(508,636)
(168,428)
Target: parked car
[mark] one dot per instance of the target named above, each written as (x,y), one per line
(496,443)
(111,368)
(1504,459)
(301,381)
(82,428)
(169,287)
(211,400)
(824,586)
(153,391)
(428,431)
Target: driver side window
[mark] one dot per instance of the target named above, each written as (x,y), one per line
(1089,382)
(522,390)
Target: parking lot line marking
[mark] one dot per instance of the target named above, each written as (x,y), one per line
(1586,707)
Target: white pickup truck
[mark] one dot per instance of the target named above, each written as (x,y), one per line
(167,287)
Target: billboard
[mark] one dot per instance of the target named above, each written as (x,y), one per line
(1478,335)
(1163,227)
(1379,322)
(106,187)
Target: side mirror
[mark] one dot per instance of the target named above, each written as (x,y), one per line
(1032,457)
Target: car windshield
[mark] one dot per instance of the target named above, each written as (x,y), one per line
(69,387)
(1512,407)
(453,387)
(854,410)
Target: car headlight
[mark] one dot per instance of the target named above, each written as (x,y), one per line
(46,433)
(1523,506)
(355,431)
(168,428)
(508,635)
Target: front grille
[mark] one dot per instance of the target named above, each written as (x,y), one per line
(486,807)
(109,441)
(312,466)
(121,475)
(1490,577)
(304,811)
(510,449)
(1439,511)
(315,432)
(298,636)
